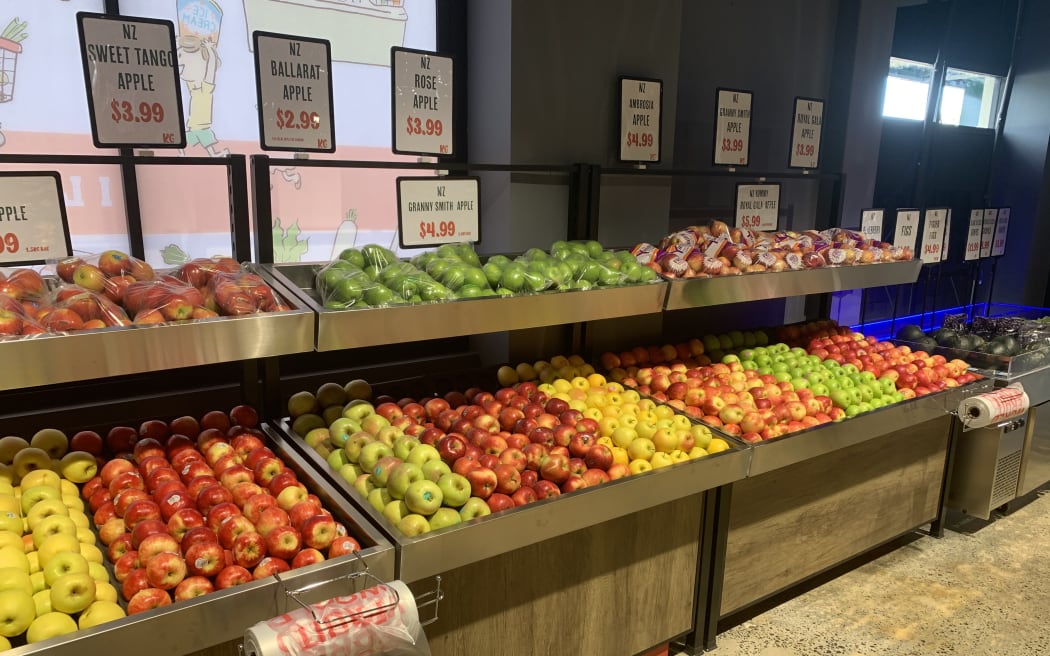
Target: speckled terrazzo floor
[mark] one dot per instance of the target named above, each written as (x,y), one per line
(984,589)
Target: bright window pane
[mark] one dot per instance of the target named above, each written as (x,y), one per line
(969,98)
(907,89)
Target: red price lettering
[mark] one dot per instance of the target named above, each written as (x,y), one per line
(732,145)
(11,242)
(431,127)
(436,229)
(123,111)
(750,221)
(640,139)
(804,150)
(287,120)
(932,249)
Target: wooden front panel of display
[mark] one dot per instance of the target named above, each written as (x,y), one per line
(795,522)
(615,588)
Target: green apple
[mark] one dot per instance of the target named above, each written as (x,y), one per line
(338,459)
(852,410)
(402,476)
(865,392)
(888,385)
(341,429)
(424,497)
(413,524)
(421,454)
(355,444)
(389,434)
(404,445)
(364,485)
(381,472)
(358,409)
(443,517)
(17,611)
(701,435)
(455,489)
(379,497)
(373,423)
(819,389)
(840,398)
(395,511)
(433,470)
(474,507)
(62,564)
(100,612)
(349,472)
(372,453)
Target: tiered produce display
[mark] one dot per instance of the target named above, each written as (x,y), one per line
(373,276)
(718,250)
(117,290)
(430,463)
(182,507)
(763,392)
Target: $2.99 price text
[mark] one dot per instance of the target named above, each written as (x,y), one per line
(288,120)
(437,229)
(124,111)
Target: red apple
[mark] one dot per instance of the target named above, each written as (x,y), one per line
(343,545)
(139,511)
(134,581)
(232,527)
(271,518)
(555,468)
(546,489)
(319,532)
(181,521)
(307,557)
(193,587)
(215,517)
(232,575)
(254,507)
(198,535)
(498,502)
(88,441)
(508,479)
(146,528)
(270,566)
(249,548)
(118,547)
(155,544)
(283,542)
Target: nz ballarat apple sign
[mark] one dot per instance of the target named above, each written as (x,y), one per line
(294,93)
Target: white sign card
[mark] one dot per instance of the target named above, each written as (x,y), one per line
(132,81)
(732,127)
(33,225)
(422,104)
(871,224)
(907,229)
(437,210)
(805,133)
(973,236)
(947,235)
(641,114)
(1002,225)
(293,77)
(988,231)
(757,206)
(932,235)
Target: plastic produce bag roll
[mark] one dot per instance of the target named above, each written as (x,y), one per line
(986,409)
(348,626)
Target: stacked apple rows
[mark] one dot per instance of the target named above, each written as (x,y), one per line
(426,465)
(189,507)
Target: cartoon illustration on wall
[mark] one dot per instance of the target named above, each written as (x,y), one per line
(377,25)
(10,46)
(198,53)
(345,234)
(287,247)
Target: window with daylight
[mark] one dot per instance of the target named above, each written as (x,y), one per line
(970,99)
(907,89)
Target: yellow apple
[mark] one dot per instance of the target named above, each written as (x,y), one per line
(13,578)
(51,440)
(42,599)
(17,611)
(68,488)
(611,411)
(10,446)
(79,518)
(682,422)
(53,525)
(37,493)
(607,441)
(105,591)
(560,361)
(641,449)
(661,459)
(45,508)
(717,445)
(10,503)
(596,399)
(100,612)
(639,466)
(98,572)
(56,544)
(623,436)
(665,440)
(11,539)
(701,435)
(577,405)
(72,593)
(50,625)
(85,535)
(14,557)
(562,385)
(91,553)
(593,413)
(547,389)
(595,380)
(620,456)
(697,452)
(73,502)
(64,564)
(606,425)
(34,562)
(38,581)
(679,456)
(41,475)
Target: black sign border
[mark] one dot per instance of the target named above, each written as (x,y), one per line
(57,177)
(820,141)
(258,90)
(400,218)
(393,105)
(81,15)
(736,201)
(660,119)
(714,129)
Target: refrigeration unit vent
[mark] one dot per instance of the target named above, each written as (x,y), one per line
(1004,486)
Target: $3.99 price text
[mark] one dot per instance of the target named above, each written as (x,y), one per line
(732,145)
(10,243)
(431,127)
(124,111)
(288,120)
(437,229)
(804,150)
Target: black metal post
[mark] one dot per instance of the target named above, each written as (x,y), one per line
(263,205)
(240,215)
(720,521)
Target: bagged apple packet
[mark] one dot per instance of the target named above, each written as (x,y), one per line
(18,318)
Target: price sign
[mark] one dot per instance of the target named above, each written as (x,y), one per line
(757,206)
(732,127)
(907,229)
(293,82)
(933,236)
(132,80)
(433,211)
(1002,224)
(973,236)
(33,226)
(871,224)
(805,133)
(422,106)
(947,235)
(641,113)
(988,231)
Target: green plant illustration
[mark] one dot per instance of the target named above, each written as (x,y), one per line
(173,255)
(287,247)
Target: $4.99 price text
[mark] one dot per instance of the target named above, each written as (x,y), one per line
(640,139)
(288,120)
(437,229)
(124,111)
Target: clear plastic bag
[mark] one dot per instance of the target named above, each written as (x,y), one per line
(91,271)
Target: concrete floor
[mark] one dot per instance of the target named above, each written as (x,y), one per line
(984,589)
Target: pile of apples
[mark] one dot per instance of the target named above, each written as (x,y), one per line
(696,352)
(544,371)
(187,507)
(437,462)
(52,577)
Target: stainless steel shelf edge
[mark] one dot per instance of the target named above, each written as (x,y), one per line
(703,292)
(1036,384)
(343,329)
(817,441)
(433,553)
(223,616)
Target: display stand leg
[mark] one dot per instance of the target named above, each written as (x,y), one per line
(991,287)
(937,525)
(714,531)
(975,270)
